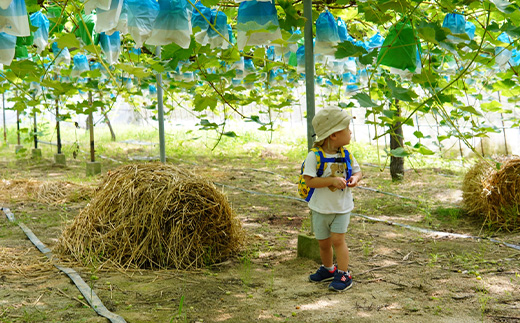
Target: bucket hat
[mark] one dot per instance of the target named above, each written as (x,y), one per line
(328,121)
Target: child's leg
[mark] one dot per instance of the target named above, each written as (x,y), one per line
(341,248)
(326,252)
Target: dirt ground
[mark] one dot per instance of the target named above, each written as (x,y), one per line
(400,275)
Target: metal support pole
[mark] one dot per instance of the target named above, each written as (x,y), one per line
(91,129)
(309,70)
(35,131)
(58,133)
(3,111)
(160,110)
(18,127)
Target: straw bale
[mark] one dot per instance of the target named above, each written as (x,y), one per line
(154,215)
(493,194)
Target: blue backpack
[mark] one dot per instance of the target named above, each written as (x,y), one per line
(306,192)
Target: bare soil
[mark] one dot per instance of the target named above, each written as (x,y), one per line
(400,275)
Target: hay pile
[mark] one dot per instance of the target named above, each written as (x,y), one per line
(492,194)
(154,216)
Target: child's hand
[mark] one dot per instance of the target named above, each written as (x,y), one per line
(339,182)
(352,181)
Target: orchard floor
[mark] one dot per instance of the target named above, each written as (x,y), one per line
(399,275)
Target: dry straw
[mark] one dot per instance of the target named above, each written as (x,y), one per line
(56,193)
(51,192)
(492,194)
(154,215)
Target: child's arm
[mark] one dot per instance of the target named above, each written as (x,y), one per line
(319,182)
(354,180)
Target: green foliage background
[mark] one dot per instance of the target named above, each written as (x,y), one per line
(434,90)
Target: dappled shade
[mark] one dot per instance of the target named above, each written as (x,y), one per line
(492,194)
(153,216)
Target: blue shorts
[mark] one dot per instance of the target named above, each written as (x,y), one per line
(324,224)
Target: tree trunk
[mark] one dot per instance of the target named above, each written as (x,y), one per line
(107,121)
(396,141)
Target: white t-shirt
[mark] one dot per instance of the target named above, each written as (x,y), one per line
(324,200)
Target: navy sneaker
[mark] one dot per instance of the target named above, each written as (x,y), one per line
(341,282)
(323,275)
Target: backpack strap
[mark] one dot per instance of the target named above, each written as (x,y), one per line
(321,164)
(348,162)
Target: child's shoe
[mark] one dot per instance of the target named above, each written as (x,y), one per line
(341,282)
(323,275)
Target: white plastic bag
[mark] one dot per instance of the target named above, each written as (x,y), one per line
(93,4)
(107,20)
(327,36)
(141,17)
(219,36)
(14,20)
(61,56)
(111,46)
(7,48)
(200,17)
(41,36)
(254,16)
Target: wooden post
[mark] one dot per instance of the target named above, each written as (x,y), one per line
(58,133)
(91,129)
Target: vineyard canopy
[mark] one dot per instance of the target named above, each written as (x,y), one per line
(226,54)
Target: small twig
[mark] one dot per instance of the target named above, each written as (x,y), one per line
(36,301)
(376,268)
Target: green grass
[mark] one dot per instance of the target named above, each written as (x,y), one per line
(187,143)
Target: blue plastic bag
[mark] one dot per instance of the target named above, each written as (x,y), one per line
(111,46)
(502,54)
(327,36)
(300,59)
(60,56)
(41,36)
(375,41)
(249,67)
(455,23)
(172,25)
(253,19)
(80,65)
(342,30)
(13,19)
(152,89)
(220,36)
(515,57)
(470,29)
(7,48)
(200,18)
(141,18)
